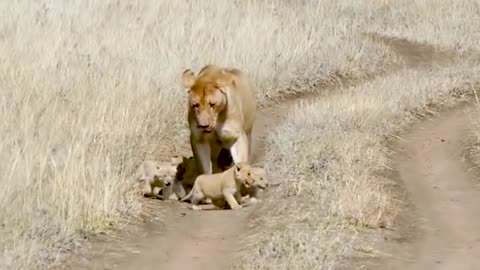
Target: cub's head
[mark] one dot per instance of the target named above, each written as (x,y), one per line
(206,97)
(251,176)
(165,173)
(154,173)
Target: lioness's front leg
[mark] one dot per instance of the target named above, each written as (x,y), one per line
(232,202)
(240,149)
(215,150)
(249,141)
(201,152)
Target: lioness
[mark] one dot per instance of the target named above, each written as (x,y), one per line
(224,186)
(221,113)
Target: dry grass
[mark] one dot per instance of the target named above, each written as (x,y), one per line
(87,89)
(330,156)
(90,88)
(332,178)
(473,141)
(446,23)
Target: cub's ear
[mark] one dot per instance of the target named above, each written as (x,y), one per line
(188,78)
(238,167)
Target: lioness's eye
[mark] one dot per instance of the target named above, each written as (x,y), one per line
(212,104)
(195,105)
(249,174)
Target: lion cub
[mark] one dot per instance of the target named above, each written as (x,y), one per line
(153,174)
(251,194)
(225,186)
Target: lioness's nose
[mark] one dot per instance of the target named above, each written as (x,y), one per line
(203,125)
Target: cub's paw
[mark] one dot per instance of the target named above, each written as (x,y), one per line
(196,207)
(253,200)
(173,197)
(208,201)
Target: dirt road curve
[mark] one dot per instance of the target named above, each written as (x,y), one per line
(432,167)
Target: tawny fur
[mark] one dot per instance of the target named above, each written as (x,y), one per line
(225,186)
(221,113)
(251,195)
(187,172)
(153,174)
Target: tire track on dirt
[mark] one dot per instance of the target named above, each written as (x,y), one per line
(439,227)
(431,165)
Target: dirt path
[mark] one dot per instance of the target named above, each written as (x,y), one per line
(434,176)
(179,238)
(206,239)
(447,201)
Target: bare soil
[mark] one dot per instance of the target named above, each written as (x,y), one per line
(438,181)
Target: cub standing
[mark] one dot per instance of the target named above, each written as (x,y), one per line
(225,186)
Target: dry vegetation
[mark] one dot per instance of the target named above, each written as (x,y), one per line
(89,88)
(473,143)
(333,178)
(331,156)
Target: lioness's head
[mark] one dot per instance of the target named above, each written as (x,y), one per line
(206,97)
(251,176)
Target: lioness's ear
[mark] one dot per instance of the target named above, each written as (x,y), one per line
(188,78)
(224,81)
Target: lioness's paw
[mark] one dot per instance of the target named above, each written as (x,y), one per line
(237,207)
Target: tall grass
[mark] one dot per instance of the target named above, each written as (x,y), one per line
(89,88)
(446,23)
(331,161)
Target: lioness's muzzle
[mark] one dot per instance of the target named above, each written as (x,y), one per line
(207,128)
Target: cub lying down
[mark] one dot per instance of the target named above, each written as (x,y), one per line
(225,186)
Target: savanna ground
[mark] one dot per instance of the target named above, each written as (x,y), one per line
(89,89)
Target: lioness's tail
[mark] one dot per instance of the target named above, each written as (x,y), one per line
(188,197)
